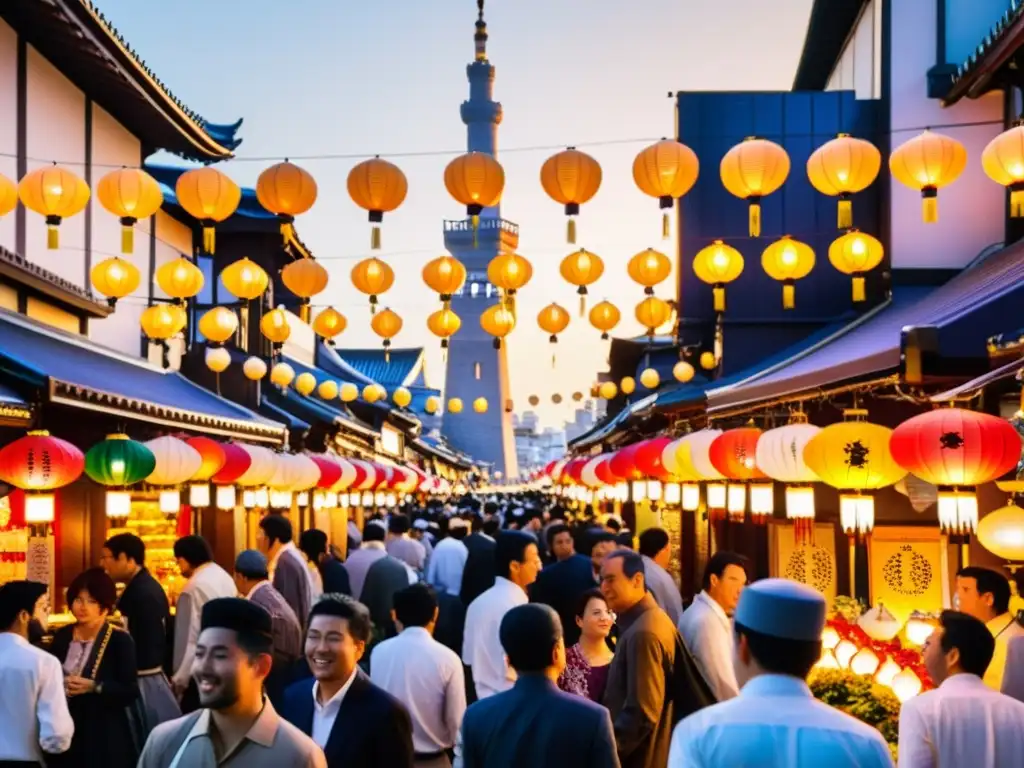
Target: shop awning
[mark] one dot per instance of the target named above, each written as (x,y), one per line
(14,409)
(313,409)
(430,447)
(606,428)
(1008,371)
(400,368)
(79,373)
(294,423)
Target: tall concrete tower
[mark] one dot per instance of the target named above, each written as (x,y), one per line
(475,368)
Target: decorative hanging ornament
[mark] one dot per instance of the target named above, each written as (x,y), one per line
(254,368)
(445,276)
(176,461)
(498,321)
(245,279)
(218,325)
(1003,162)
(8,195)
(718,265)
(275,327)
(582,268)
(571,178)
(480,405)
(386,324)
(780,455)
(328,324)
(444,324)
(372,277)
(162,321)
(752,169)
(928,162)
(841,168)
(856,254)
(608,390)
(553,319)
(287,190)
(349,392)
(648,268)
(377,187)
(682,371)
(652,313)
(328,390)
(305,278)
(666,170)
(282,375)
(39,462)
(455,405)
(708,361)
(649,378)
(788,260)
(477,181)
(209,196)
(432,404)
(115,278)
(627,385)
(180,279)
(402,397)
(604,316)
(55,193)
(217,359)
(130,194)
(305,383)
(509,272)
(119,461)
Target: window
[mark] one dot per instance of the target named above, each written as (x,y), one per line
(474,289)
(476,371)
(487,293)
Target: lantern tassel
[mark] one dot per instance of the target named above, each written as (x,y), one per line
(304,313)
(287,230)
(859,293)
(375,238)
(719,293)
(1016,203)
(845,213)
(127,235)
(209,239)
(755,217)
(52,232)
(476,227)
(570,231)
(929,206)
(666,227)
(583,304)
(788,295)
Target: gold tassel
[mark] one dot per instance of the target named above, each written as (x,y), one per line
(52,237)
(476,227)
(209,239)
(286,231)
(719,293)
(375,238)
(755,219)
(553,360)
(387,355)
(127,238)
(583,304)
(304,313)
(845,213)
(666,226)
(930,209)
(788,296)
(1017,203)
(859,293)
(570,231)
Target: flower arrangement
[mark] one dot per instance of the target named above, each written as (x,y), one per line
(860,697)
(906,658)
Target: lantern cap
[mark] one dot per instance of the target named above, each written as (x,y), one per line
(117,436)
(782,608)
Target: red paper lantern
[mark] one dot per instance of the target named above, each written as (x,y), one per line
(549,467)
(623,463)
(237,461)
(573,471)
(362,473)
(732,453)
(648,458)
(330,470)
(604,470)
(385,476)
(213,457)
(956,448)
(40,462)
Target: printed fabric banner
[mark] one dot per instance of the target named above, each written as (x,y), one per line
(906,567)
(813,564)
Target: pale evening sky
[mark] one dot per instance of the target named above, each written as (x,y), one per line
(314,77)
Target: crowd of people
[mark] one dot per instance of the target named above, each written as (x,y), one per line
(493,633)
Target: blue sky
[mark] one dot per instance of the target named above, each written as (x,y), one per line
(314,77)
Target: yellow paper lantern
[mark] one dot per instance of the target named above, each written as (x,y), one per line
(682,371)
(855,254)
(432,405)
(604,316)
(841,168)
(509,272)
(274,326)
(608,390)
(8,195)
(455,405)
(498,321)
(209,196)
(477,181)
(372,277)
(288,191)
(218,324)
(553,319)
(853,456)
(130,194)
(480,405)
(788,260)
(571,178)
(751,170)
(844,653)
(328,389)
(254,368)
(305,278)
(328,324)
(115,278)
(666,170)
(402,397)
(55,193)
(305,383)
(1001,532)
(582,268)
(652,313)
(217,359)
(370,393)
(444,275)
(648,268)
(864,662)
(180,279)
(718,265)
(162,321)
(1003,162)
(387,325)
(282,375)
(444,324)
(628,385)
(349,392)
(708,360)
(928,162)
(906,685)
(377,187)
(245,279)
(650,378)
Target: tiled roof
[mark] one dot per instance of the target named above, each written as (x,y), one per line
(402,371)
(990,54)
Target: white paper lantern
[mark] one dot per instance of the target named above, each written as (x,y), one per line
(176,461)
(254,368)
(261,468)
(348,475)
(217,359)
(700,445)
(307,472)
(780,453)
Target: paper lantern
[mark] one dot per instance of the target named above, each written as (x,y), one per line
(666,170)
(649,378)
(286,473)
(40,462)
(282,374)
(608,390)
(879,624)
(648,458)
(245,279)
(588,475)
(378,187)
(386,324)
(853,455)
(509,272)
(476,180)
(699,444)
(1003,162)
(682,371)
(275,327)
(115,278)
(649,268)
(553,319)
(571,178)
(708,361)
(627,385)
(751,170)
(402,397)
(119,461)
(864,662)
(330,469)
(217,359)
(582,268)
(445,276)
(372,277)
(498,321)
(237,461)
(209,196)
(349,392)
(855,254)
(906,685)
(305,278)
(432,404)
(841,168)
(717,265)
(162,321)
(928,162)
(8,195)
(480,405)
(455,405)
(347,476)
(130,194)
(444,324)
(779,454)
(180,279)
(676,462)
(604,316)
(652,313)
(212,454)
(328,324)
(734,454)
(254,368)
(218,325)
(305,383)
(788,260)
(1001,532)
(370,393)
(328,390)
(288,191)
(623,463)
(55,193)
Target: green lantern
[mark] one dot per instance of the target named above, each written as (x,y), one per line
(119,461)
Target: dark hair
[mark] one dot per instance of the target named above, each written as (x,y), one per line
(780,655)
(476,524)
(718,563)
(652,541)
(624,539)
(18,596)
(398,523)
(632,563)
(129,545)
(556,529)
(969,636)
(374,531)
(613,524)
(510,547)
(458,533)
(415,605)
(990,582)
(594,537)
(529,634)
(277,528)
(193,550)
(99,586)
(490,508)
(491,526)
(586,597)
(313,543)
(343,607)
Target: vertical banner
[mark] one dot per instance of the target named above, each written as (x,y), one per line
(906,570)
(672,522)
(13,538)
(813,564)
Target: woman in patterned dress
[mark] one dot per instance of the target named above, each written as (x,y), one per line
(586,663)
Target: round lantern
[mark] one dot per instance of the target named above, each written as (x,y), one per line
(841,168)
(370,393)
(608,390)
(788,260)
(162,321)
(856,253)
(700,443)
(386,324)
(627,385)
(245,279)
(275,327)
(378,187)
(119,461)
(708,360)
(623,463)
(213,457)
(40,462)
(652,313)
(648,268)
(498,321)
(477,181)
(666,170)
(237,461)
(218,325)
(330,469)
(347,477)
(254,368)
(649,378)
(349,392)
(445,276)
(282,374)
(55,193)
(287,473)
(305,278)
(717,265)
(734,454)
(683,371)
(288,191)
(509,272)
(328,390)
(432,404)
(209,196)
(130,194)
(588,475)
(480,405)
(604,316)
(328,324)
(751,170)
(553,319)
(455,405)
(372,277)
(780,455)
(115,278)
(180,279)
(305,383)
(1003,162)
(444,324)
(571,178)
(582,268)
(217,359)
(1001,532)
(402,397)
(927,162)
(8,195)
(648,458)
(363,472)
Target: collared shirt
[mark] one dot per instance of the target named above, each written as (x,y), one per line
(428,679)
(408,550)
(286,630)
(481,645)
(707,633)
(292,576)
(325,714)
(34,714)
(961,722)
(209,581)
(446,566)
(664,589)
(1003,628)
(776,722)
(359,562)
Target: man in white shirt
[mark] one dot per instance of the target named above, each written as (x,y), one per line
(963,721)
(449,559)
(706,627)
(34,718)
(656,550)
(517,562)
(985,595)
(370,551)
(424,675)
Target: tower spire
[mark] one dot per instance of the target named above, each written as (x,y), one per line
(480,38)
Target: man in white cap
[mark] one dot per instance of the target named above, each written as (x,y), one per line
(776,722)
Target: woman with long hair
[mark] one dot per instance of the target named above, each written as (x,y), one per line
(586,663)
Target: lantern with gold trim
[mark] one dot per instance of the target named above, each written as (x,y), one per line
(734,454)
(287,190)
(180,279)
(498,321)
(855,254)
(328,324)
(275,327)
(130,194)
(209,196)
(666,170)
(372,277)
(553,319)
(582,268)
(119,462)
(39,464)
(162,321)
(571,178)
(444,324)
(115,278)
(652,313)
(218,325)
(445,276)
(1003,162)
(648,268)
(55,193)
(378,187)
(718,265)
(752,169)
(788,260)
(604,316)
(477,181)
(509,272)
(387,324)
(928,162)
(245,279)
(305,278)
(841,168)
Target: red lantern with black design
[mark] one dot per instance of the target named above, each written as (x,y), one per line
(39,464)
(213,460)
(733,454)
